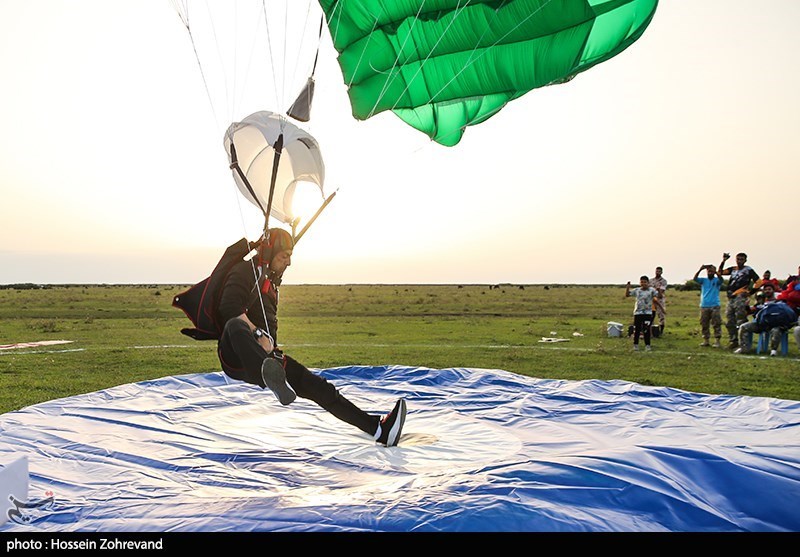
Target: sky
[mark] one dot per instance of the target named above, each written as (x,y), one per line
(681,148)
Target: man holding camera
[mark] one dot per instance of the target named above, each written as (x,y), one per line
(710,315)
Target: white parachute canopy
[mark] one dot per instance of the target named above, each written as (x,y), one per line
(299,164)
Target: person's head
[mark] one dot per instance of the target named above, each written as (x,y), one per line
(769,290)
(644,281)
(276,250)
(711,270)
(741,258)
(767,274)
(659,270)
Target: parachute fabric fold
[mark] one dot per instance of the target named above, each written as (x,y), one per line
(300,160)
(443,65)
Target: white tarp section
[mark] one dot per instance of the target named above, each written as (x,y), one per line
(482,450)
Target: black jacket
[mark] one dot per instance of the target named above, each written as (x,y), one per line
(239,296)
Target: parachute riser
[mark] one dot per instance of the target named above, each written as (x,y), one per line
(235,166)
(278,148)
(296,237)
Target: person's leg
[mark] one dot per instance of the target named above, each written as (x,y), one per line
(648,322)
(730,323)
(740,310)
(243,358)
(746,337)
(716,324)
(638,320)
(705,320)
(240,354)
(775,335)
(316,388)
(797,336)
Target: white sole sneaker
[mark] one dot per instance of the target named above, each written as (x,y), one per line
(398,418)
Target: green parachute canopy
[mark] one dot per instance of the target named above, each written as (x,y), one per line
(443,65)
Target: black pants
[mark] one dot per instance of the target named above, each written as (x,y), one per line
(641,325)
(241,357)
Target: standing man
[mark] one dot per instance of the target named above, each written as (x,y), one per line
(710,315)
(248,347)
(739,288)
(660,303)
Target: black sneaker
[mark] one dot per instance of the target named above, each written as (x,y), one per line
(274,377)
(391,426)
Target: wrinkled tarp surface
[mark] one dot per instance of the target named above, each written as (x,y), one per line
(482,450)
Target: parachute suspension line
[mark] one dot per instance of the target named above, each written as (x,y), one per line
(358,64)
(269,48)
(397,59)
(285,48)
(183,13)
(278,148)
(257,273)
(235,166)
(459,9)
(338,21)
(319,41)
(301,107)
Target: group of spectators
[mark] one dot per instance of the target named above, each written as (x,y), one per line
(775,310)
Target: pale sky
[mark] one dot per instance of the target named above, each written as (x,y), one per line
(112,168)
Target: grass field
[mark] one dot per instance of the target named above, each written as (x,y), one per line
(121,334)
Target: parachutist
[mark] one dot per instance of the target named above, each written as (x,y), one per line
(246,316)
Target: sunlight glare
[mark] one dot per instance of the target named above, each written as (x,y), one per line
(306,200)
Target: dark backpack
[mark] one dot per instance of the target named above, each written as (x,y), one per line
(776,314)
(201,301)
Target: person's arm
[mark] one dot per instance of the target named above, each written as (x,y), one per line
(697,274)
(234,300)
(657,301)
(721,266)
(263,338)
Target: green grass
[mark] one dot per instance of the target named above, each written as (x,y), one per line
(124,334)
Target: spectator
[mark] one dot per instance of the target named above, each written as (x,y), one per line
(710,315)
(642,310)
(791,294)
(739,289)
(775,317)
(767,279)
(659,303)
(764,296)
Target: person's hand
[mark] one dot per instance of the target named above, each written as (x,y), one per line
(264,340)
(629,283)
(726,256)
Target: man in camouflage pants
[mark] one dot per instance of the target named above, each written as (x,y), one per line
(739,288)
(660,303)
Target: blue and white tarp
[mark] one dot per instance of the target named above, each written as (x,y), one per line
(482,450)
